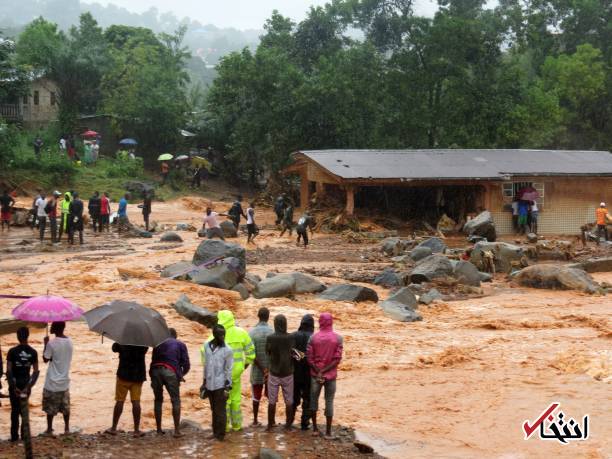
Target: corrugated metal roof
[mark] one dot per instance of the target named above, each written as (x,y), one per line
(459,164)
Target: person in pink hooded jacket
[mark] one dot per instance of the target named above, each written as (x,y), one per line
(324,353)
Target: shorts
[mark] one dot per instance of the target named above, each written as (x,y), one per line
(162,376)
(286,383)
(252,229)
(257,392)
(5,215)
(56,402)
(122,388)
(104,219)
(522,220)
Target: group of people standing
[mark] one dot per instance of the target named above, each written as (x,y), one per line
(525,216)
(300,364)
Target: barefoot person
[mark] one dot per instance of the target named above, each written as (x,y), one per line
(259,370)
(324,355)
(218,362)
(56,391)
(131,373)
(279,347)
(19,361)
(169,365)
(251,226)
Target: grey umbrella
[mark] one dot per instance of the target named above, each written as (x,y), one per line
(128,323)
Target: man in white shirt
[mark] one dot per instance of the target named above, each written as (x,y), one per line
(534,213)
(62,144)
(41,214)
(251,227)
(214,229)
(515,214)
(56,393)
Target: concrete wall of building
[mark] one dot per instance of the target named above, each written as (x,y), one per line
(39,115)
(567,204)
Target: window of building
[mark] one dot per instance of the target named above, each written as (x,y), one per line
(53,100)
(25,99)
(36,97)
(511,189)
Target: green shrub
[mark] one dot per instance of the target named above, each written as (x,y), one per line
(124,167)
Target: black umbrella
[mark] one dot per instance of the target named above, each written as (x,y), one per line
(128,323)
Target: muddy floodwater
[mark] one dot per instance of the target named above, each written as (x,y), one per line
(459,384)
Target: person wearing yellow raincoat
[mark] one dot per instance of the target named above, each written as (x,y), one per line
(244,354)
(64,222)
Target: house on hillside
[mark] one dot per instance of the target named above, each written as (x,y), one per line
(459,183)
(37,108)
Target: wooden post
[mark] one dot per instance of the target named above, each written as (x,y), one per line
(350,199)
(304,191)
(320,189)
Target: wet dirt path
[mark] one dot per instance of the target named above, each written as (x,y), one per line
(457,385)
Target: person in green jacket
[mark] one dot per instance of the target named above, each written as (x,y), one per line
(244,354)
(65,222)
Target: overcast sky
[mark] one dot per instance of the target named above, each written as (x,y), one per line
(242,14)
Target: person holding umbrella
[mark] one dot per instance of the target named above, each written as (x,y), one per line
(131,374)
(56,391)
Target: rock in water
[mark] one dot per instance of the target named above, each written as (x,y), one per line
(418,253)
(436,245)
(481,225)
(389,278)
(404,296)
(185,227)
(228,228)
(595,265)
(532,238)
(349,292)
(267,453)
(394,246)
(307,284)
(274,287)
(466,273)
(179,270)
(218,276)
(507,256)
(363,448)
(430,296)
(170,237)
(430,268)
(211,249)
(556,277)
(192,312)
(201,232)
(242,290)
(399,312)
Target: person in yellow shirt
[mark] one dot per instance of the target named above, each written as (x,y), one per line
(602,216)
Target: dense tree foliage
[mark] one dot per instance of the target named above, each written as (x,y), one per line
(372,74)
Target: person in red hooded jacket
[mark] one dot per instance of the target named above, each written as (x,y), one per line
(324,353)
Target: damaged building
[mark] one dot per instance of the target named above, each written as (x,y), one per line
(459,183)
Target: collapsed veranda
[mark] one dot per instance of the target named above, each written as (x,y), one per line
(461,183)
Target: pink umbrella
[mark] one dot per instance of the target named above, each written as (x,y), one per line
(47,309)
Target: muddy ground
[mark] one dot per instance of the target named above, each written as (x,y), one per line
(459,384)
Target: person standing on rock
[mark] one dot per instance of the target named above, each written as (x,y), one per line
(261,365)
(279,347)
(324,353)
(94,206)
(40,204)
(169,365)
(252,231)
(243,350)
(301,372)
(214,228)
(6,204)
(131,374)
(76,218)
(218,362)
(602,216)
(105,211)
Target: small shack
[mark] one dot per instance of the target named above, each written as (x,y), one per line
(458,182)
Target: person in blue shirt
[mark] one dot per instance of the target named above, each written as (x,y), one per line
(123,221)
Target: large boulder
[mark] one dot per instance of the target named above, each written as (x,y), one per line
(170,236)
(390,278)
(466,273)
(430,297)
(507,256)
(399,311)
(394,246)
(212,249)
(595,265)
(179,270)
(430,268)
(404,296)
(556,277)
(228,228)
(349,292)
(481,225)
(307,284)
(242,290)
(219,276)
(192,312)
(418,253)
(185,227)
(274,287)
(435,244)
(139,188)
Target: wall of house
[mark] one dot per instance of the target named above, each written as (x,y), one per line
(567,203)
(39,115)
